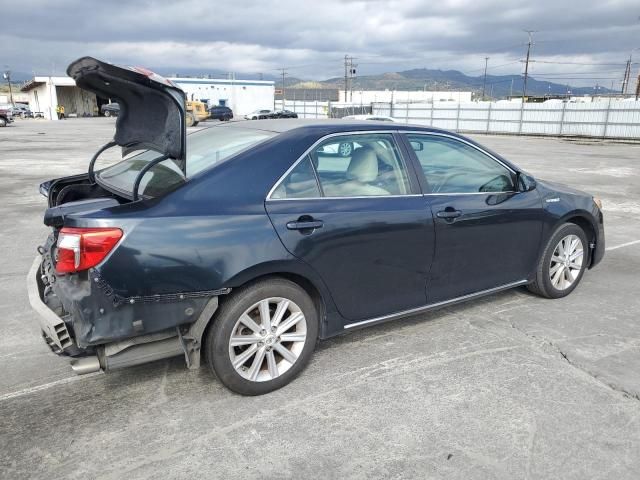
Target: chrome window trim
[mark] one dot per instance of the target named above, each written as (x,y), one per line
(413,311)
(342,198)
(467,193)
(315,144)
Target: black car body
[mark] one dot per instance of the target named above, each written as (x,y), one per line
(284,114)
(110,109)
(258,218)
(220,112)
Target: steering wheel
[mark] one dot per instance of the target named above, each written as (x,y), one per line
(445,180)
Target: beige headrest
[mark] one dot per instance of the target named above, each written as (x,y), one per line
(363,166)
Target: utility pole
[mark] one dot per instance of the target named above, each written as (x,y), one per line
(283,71)
(627,75)
(7,76)
(526,66)
(352,76)
(484,81)
(511,89)
(346,77)
(638,88)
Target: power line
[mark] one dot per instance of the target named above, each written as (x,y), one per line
(579,63)
(493,67)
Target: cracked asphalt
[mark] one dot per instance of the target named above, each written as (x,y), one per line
(508,386)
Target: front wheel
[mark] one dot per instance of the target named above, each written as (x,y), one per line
(3,122)
(107,113)
(262,337)
(562,264)
(345,149)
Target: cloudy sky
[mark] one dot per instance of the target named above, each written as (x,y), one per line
(580,42)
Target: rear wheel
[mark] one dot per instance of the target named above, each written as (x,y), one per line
(107,113)
(562,264)
(262,337)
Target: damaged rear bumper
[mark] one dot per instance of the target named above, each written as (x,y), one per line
(116,351)
(54,329)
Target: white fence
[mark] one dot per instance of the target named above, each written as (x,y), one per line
(305,109)
(605,119)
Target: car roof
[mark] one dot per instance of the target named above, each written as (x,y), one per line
(282,125)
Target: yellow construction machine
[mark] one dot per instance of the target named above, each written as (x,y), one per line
(196,112)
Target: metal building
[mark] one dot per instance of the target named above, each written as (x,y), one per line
(242,96)
(46,93)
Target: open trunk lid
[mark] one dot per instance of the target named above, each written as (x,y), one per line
(152,108)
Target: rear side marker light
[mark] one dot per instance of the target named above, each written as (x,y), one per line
(82,248)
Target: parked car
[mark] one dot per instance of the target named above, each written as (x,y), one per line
(284,114)
(378,118)
(110,109)
(22,111)
(259,115)
(6,116)
(220,112)
(246,243)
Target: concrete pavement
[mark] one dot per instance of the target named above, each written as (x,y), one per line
(509,386)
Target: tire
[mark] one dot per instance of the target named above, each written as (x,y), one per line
(3,122)
(107,113)
(195,123)
(345,149)
(189,119)
(273,371)
(555,277)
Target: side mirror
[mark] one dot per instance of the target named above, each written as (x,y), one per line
(526,182)
(417,146)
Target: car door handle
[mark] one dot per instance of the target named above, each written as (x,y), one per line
(305,225)
(449,214)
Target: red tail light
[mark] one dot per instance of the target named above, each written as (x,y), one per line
(83,248)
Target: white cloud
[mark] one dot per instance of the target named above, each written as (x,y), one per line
(312,37)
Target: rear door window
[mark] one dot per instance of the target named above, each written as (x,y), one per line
(300,183)
(360,165)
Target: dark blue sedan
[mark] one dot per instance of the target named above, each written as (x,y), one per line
(245,243)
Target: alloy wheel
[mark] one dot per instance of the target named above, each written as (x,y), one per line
(344,149)
(267,339)
(566,262)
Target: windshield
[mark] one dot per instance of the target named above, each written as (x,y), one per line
(205,148)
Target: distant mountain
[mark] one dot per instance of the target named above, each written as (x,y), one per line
(428,79)
(497,86)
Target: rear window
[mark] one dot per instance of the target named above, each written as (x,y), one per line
(205,148)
